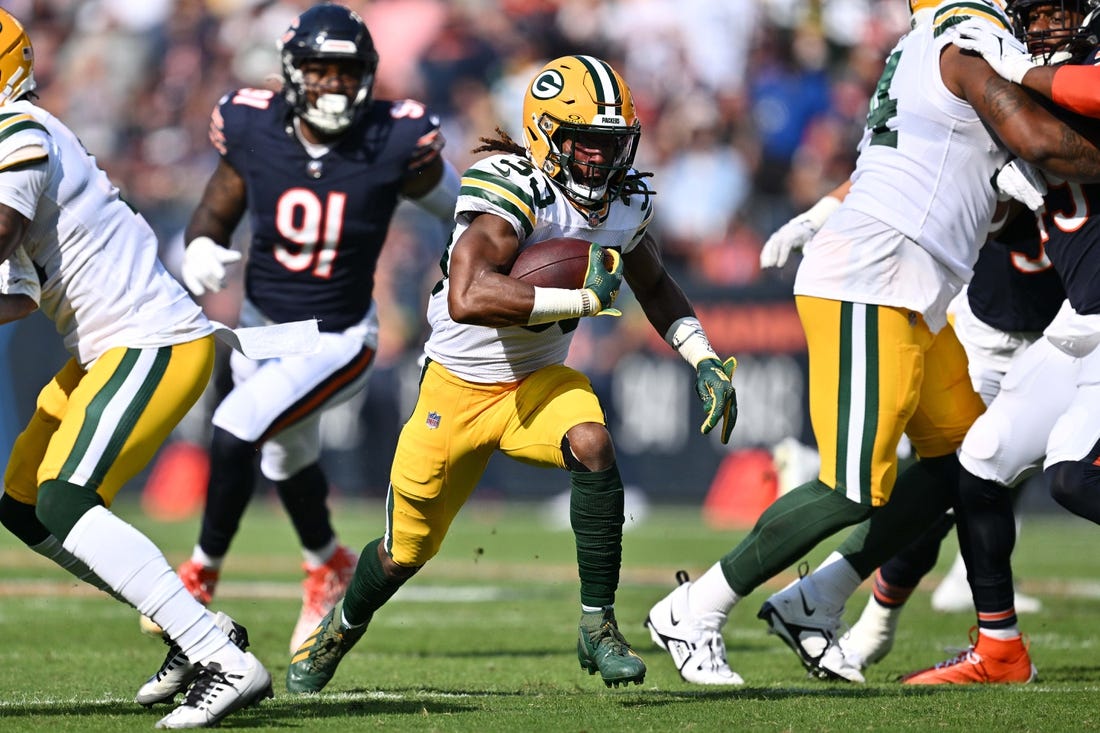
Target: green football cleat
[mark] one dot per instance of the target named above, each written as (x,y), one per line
(315,662)
(600,647)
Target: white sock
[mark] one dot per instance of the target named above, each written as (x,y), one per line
(207,561)
(710,598)
(51,549)
(135,569)
(317,558)
(834,581)
(1013,632)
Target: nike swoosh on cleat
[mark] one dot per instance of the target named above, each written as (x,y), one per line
(805,606)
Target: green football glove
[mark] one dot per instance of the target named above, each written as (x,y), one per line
(603,283)
(713,384)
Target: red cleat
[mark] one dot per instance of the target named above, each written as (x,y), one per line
(987,661)
(322,588)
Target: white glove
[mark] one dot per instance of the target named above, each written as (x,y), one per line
(1022,181)
(1004,53)
(18,276)
(204,263)
(792,236)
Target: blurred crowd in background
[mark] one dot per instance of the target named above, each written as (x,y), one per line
(751,110)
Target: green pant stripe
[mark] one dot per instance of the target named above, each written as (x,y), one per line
(133,411)
(844,395)
(857,400)
(107,424)
(870,413)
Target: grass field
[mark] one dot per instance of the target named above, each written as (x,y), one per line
(483,640)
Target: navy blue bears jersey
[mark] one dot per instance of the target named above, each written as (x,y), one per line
(318,224)
(1071,236)
(1015,286)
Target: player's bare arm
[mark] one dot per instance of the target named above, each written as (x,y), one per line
(1030,131)
(13,227)
(657,292)
(481,293)
(14,307)
(221,207)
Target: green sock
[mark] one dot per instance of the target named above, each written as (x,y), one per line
(596,515)
(923,492)
(369,588)
(793,525)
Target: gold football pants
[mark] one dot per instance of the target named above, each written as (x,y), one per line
(100,427)
(877,372)
(454,430)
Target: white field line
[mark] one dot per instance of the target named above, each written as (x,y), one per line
(32,588)
(111,700)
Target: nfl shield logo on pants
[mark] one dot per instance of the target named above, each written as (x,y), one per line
(433,420)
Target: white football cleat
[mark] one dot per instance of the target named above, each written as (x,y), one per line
(805,624)
(177,672)
(217,692)
(872,637)
(697,649)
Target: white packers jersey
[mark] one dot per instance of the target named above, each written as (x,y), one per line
(924,169)
(510,187)
(103,285)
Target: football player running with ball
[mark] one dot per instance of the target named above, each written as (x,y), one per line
(142,353)
(320,169)
(495,379)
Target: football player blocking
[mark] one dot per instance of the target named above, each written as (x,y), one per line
(320,169)
(927,81)
(1039,421)
(140,358)
(495,378)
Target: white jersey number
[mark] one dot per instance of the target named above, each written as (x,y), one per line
(314,226)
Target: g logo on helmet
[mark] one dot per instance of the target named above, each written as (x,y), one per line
(547,85)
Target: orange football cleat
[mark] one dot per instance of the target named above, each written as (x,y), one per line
(987,661)
(199,580)
(321,589)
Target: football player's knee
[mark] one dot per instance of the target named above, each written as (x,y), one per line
(1074,485)
(61,505)
(279,463)
(587,447)
(19,519)
(984,453)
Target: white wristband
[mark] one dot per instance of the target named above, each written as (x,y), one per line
(555,304)
(686,335)
(822,210)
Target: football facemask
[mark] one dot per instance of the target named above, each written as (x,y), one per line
(1054,31)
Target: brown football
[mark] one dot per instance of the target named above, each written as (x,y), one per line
(561,262)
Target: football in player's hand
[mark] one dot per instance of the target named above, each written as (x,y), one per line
(554,263)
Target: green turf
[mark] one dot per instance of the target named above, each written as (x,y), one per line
(484,640)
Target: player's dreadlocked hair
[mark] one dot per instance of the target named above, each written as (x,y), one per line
(503,143)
